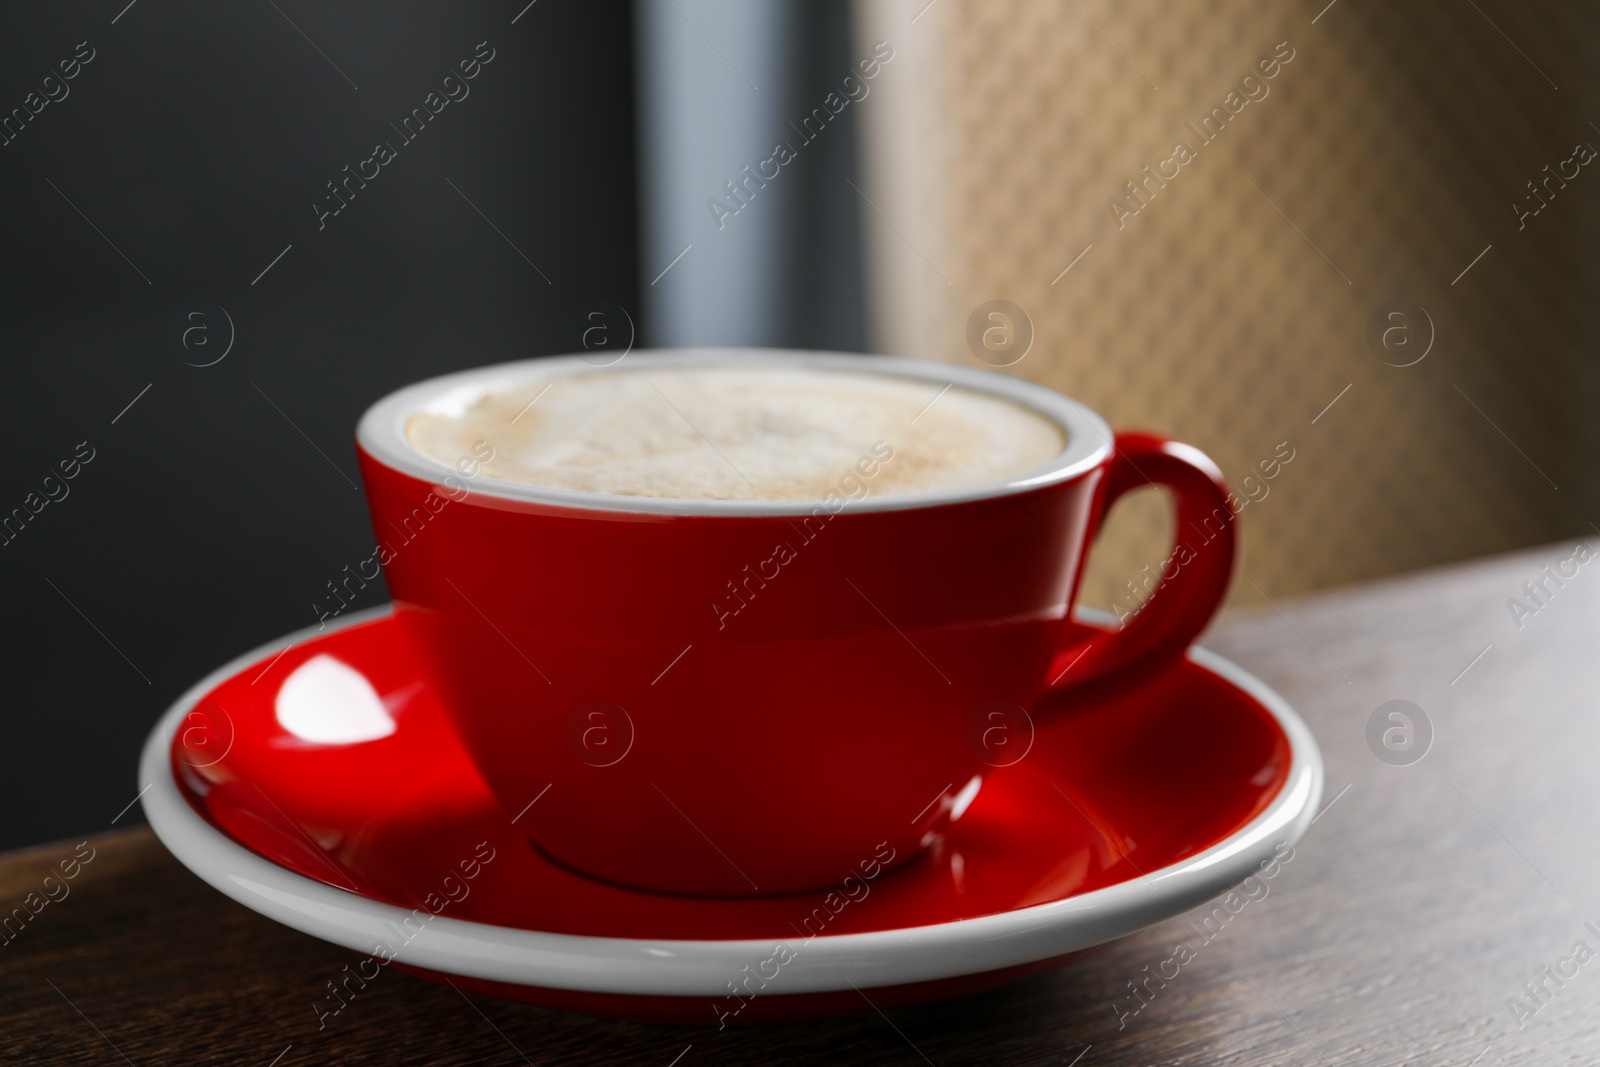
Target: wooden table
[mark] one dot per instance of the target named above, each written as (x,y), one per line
(1419,904)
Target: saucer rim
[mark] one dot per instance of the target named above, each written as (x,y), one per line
(704,967)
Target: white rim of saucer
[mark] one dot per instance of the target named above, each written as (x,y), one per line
(381,431)
(696,968)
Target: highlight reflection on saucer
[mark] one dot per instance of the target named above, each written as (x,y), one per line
(328,702)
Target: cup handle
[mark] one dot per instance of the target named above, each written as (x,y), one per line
(1200,566)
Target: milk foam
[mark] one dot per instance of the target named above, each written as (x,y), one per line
(740,433)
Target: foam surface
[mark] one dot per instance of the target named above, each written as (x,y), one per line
(740,433)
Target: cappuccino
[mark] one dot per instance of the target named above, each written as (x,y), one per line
(738,432)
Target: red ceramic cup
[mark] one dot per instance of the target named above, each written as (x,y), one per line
(729,698)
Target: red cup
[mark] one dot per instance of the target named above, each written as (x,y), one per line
(730,698)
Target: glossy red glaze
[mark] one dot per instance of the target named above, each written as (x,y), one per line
(1182,594)
(739,705)
(1127,785)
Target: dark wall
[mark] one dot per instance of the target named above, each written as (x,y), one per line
(824,292)
(196,141)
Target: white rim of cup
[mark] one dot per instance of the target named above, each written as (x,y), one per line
(702,968)
(382,430)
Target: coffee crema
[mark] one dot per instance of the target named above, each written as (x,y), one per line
(726,432)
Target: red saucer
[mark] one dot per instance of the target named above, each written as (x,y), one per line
(376,798)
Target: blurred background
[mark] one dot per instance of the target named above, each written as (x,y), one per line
(1359,235)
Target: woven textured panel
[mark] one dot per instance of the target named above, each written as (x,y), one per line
(1228,304)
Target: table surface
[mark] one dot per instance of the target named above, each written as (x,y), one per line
(1405,930)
